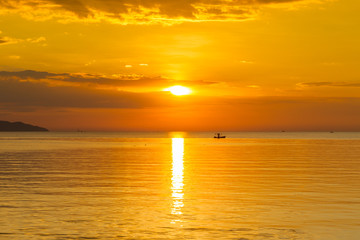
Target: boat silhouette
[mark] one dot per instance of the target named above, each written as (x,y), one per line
(218,135)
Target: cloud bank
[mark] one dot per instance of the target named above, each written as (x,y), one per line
(329,84)
(141,11)
(95,81)
(31,89)
(62,101)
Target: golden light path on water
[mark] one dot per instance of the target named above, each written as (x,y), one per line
(177,180)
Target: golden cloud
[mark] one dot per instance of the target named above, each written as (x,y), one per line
(8,40)
(141,12)
(5,40)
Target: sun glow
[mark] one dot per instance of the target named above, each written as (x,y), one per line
(178,90)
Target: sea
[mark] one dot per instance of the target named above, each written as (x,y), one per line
(158,185)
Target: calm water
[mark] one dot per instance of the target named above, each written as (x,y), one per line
(162,186)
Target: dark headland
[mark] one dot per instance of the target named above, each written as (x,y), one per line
(19,127)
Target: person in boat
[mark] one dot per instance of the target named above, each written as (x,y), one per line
(218,135)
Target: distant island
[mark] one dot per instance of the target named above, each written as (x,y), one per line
(6,126)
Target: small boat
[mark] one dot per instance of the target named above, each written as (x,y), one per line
(218,135)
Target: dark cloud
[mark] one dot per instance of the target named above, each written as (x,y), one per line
(23,93)
(329,84)
(75,6)
(27,74)
(97,80)
(145,11)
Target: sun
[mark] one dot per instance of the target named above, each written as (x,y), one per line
(178,90)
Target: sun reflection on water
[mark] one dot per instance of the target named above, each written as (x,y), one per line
(177,179)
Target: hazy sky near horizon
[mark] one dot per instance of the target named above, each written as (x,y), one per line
(251,64)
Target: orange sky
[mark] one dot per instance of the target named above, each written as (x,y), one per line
(261,65)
